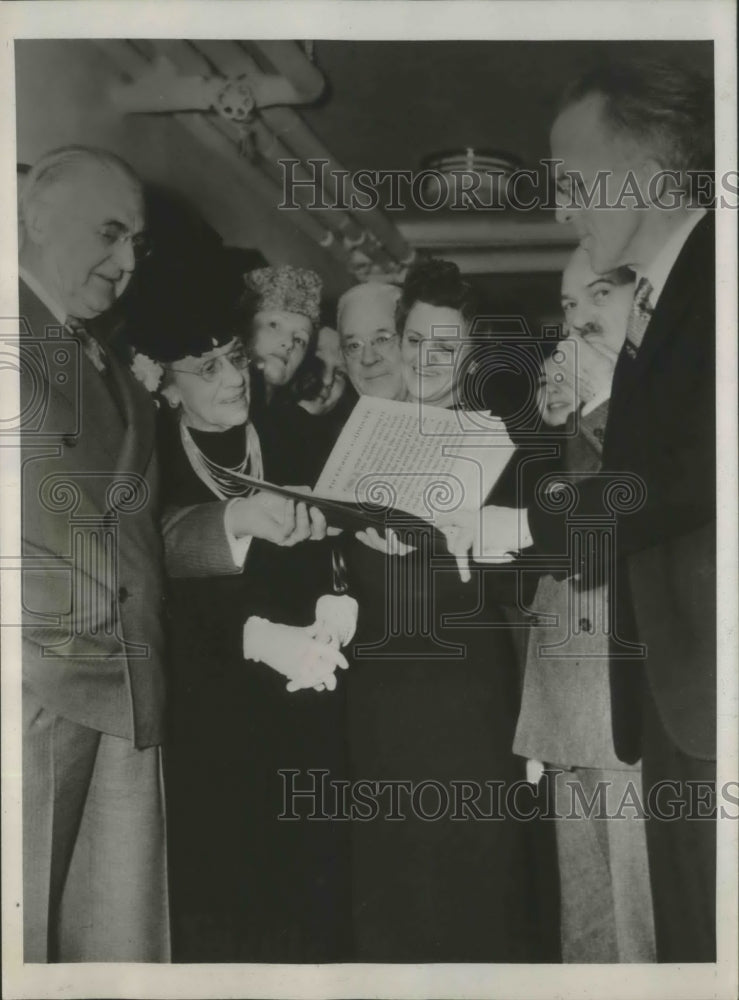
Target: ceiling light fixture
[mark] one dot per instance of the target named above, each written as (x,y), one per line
(453,177)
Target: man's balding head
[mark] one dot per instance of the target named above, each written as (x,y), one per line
(626,142)
(83,215)
(664,108)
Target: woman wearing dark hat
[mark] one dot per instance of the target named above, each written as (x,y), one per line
(246,886)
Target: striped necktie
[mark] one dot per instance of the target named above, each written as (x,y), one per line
(98,357)
(641,313)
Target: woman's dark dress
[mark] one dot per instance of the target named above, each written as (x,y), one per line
(433,695)
(434,700)
(247,886)
(422,890)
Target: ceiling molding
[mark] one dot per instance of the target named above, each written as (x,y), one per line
(493,245)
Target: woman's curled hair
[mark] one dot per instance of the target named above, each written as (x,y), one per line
(438,283)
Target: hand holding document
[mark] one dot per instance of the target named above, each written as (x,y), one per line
(402,465)
(492,535)
(274,518)
(413,459)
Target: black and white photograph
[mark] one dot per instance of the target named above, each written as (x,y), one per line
(369,541)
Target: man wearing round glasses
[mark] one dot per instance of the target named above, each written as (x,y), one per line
(83,215)
(366,320)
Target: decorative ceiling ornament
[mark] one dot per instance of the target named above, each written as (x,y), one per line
(160,89)
(240,111)
(236,100)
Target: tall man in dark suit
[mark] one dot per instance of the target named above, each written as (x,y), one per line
(624,141)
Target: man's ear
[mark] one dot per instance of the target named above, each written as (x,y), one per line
(36,222)
(657,185)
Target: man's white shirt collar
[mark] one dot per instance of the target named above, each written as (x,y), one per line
(659,269)
(40,292)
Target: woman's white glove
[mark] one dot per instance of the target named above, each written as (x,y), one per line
(294,652)
(336,619)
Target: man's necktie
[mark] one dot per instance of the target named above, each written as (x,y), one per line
(92,349)
(98,357)
(641,313)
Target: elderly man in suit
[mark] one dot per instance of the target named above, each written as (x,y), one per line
(95,885)
(365,316)
(565,720)
(626,141)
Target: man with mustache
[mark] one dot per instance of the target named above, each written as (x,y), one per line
(580,371)
(565,721)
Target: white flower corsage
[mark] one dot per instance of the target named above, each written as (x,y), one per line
(147,371)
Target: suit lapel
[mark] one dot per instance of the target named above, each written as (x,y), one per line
(670,308)
(128,435)
(43,336)
(138,418)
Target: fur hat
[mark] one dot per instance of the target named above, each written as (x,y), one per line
(286,289)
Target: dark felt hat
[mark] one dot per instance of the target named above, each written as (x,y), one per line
(178,312)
